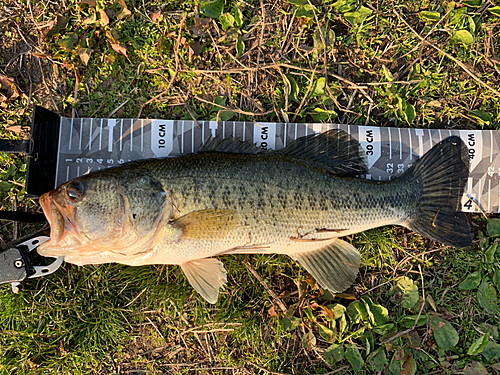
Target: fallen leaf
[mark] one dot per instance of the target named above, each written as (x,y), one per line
(92,3)
(9,86)
(195,48)
(110,59)
(120,48)
(155,16)
(104,17)
(125,11)
(15,129)
(84,54)
(272,312)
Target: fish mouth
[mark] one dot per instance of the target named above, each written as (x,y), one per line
(54,217)
(61,228)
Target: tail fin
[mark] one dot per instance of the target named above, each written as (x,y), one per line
(442,174)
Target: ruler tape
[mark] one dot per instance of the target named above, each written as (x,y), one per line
(93,144)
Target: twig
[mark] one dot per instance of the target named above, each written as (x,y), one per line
(279,302)
(266,370)
(233,110)
(187,323)
(304,98)
(456,61)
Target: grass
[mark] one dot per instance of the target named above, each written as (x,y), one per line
(415,309)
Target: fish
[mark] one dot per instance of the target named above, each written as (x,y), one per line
(232,197)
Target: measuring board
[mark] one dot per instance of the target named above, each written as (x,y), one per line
(92,144)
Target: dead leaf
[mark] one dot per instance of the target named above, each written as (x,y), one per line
(120,113)
(55,27)
(104,17)
(272,312)
(92,3)
(440,324)
(407,368)
(125,11)
(110,59)
(8,85)
(195,48)
(155,16)
(15,129)
(84,54)
(47,30)
(120,48)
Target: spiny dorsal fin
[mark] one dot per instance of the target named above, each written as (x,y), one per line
(334,266)
(334,150)
(231,145)
(207,224)
(206,276)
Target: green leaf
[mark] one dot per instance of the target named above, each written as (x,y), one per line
(475,368)
(226,115)
(305,11)
(492,330)
(478,345)
(489,255)
(472,281)
(491,351)
(226,20)
(337,309)
(409,320)
(325,333)
(378,359)
(60,24)
(343,6)
(298,2)
(409,292)
(493,227)
(240,47)
(484,118)
(353,355)
(5,186)
(430,16)
(379,313)
(334,353)
(308,340)
(496,278)
(495,10)
(358,17)
(445,334)
(410,113)
(293,88)
(473,3)
(487,297)
(289,324)
(238,17)
(387,73)
(462,36)
(318,88)
(212,8)
(320,114)
(68,41)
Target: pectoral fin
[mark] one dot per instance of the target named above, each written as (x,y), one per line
(206,276)
(334,266)
(206,224)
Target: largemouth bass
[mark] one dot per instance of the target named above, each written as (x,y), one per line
(233,198)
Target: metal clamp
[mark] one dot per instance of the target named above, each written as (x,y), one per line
(16,264)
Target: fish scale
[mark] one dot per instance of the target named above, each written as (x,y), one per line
(297,201)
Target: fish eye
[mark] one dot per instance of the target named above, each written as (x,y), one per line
(75,190)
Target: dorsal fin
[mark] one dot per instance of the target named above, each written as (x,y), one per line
(335,150)
(231,145)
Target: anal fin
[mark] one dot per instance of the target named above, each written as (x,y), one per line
(206,276)
(334,266)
